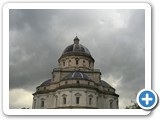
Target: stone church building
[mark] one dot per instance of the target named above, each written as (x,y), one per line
(75,84)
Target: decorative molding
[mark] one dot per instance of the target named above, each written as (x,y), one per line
(90,95)
(77,94)
(64,95)
(42,99)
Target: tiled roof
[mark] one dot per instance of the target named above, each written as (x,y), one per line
(76,75)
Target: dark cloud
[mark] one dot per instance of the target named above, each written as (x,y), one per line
(115,38)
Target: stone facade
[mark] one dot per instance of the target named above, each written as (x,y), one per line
(75,84)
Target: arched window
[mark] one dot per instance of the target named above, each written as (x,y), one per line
(64,98)
(42,102)
(77,98)
(90,99)
(111,104)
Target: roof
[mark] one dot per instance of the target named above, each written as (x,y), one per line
(47,82)
(76,75)
(76,48)
(105,84)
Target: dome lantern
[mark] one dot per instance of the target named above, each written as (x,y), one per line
(76,40)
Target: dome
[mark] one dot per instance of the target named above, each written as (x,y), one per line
(47,82)
(76,49)
(76,76)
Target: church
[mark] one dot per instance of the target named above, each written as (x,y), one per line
(75,84)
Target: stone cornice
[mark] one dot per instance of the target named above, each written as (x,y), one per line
(76,86)
(72,70)
(76,54)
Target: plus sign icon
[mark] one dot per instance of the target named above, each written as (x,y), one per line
(147,99)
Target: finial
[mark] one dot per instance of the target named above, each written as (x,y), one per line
(76,40)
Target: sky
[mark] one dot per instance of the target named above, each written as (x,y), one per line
(37,38)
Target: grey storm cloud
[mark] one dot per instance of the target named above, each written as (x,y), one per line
(115,38)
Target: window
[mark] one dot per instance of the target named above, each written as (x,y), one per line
(77,97)
(42,103)
(90,101)
(64,100)
(64,96)
(56,101)
(66,82)
(77,82)
(97,101)
(77,100)
(88,83)
(63,63)
(44,88)
(84,63)
(34,104)
(69,63)
(111,104)
(76,62)
(89,63)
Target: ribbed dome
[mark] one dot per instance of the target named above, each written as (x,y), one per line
(76,76)
(76,47)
